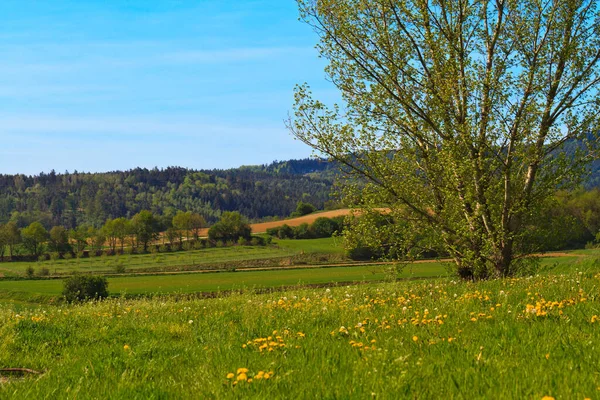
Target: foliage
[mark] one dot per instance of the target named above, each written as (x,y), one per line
(74,199)
(145,228)
(231,226)
(457,117)
(34,237)
(303,209)
(82,288)
(58,240)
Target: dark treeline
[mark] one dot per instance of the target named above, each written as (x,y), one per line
(74,199)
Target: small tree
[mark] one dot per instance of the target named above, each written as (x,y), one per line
(12,236)
(303,208)
(230,227)
(58,240)
(34,237)
(144,226)
(82,288)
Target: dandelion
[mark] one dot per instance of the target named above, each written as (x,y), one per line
(190,322)
(415,338)
(242,371)
(230,375)
(242,377)
(126,347)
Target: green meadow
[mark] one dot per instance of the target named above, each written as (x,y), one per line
(526,337)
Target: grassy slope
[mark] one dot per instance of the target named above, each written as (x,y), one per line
(162,261)
(369,341)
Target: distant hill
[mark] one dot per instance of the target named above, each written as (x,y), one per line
(72,199)
(257,191)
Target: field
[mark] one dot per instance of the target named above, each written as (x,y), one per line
(209,258)
(438,338)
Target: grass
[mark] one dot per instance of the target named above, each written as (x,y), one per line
(439,338)
(193,259)
(212,282)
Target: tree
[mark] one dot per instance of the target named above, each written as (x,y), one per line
(144,226)
(197,222)
(456,114)
(12,236)
(231,226)
(80,236)
(33,238)
(303,208)
(3,241)
(182,221)
(58,240)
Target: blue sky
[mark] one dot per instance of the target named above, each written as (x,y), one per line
(116,84)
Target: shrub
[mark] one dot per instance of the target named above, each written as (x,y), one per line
(120,268)
(324,227)
(303,209)
(230,227)
(285,232)
(81,288)
(29,271)
(44,271)
(242,241)
(302,231)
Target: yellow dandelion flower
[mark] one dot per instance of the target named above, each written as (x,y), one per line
(126,347)
(548,398)
(415,338)
(242,377)
(242,371)
(230,375)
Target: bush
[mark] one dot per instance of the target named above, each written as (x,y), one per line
(44,271)
(285,232)
(82,288)
(303,231)
(29,271)
(230,227)
(303,209)
(324,227)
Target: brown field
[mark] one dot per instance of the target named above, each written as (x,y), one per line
(308,219)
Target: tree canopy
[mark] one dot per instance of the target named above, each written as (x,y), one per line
(456,114)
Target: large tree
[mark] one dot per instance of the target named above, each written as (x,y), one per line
(455,114)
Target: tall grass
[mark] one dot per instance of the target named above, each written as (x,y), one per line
(515,338)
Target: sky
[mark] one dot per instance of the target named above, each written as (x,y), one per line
(117,84)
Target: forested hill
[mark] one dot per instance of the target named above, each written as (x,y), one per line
(72,199)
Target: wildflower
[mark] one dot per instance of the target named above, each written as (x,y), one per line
(415,338)
(594,318)
(126,347)
(230,375)
(242,377)
(242,371)
(190,322)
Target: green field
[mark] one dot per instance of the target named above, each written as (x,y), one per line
(214,282)
(185,260)
(49,290)
(437,338)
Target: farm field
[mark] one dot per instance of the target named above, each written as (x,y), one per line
(49,290)
(184,260)
(438,338)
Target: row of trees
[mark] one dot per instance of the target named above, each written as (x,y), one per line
(137,232)
(322,227)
